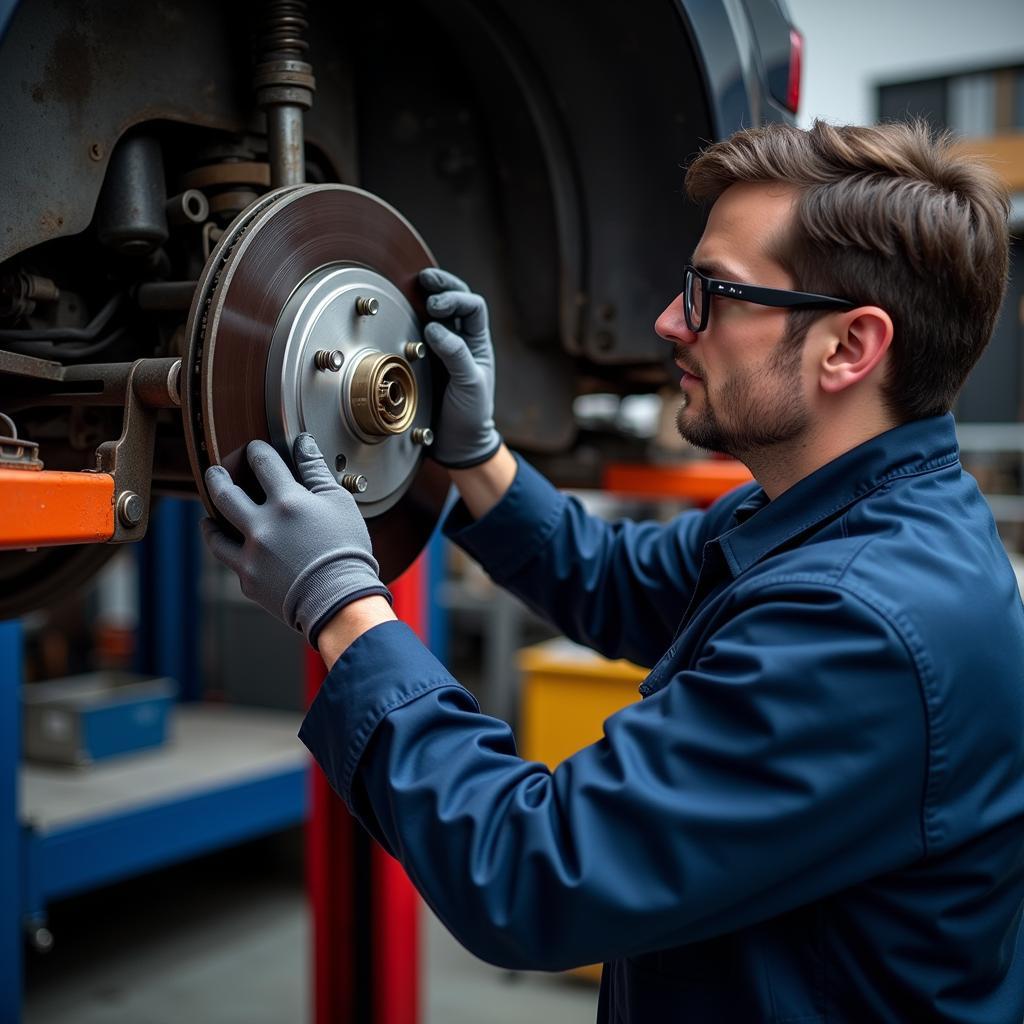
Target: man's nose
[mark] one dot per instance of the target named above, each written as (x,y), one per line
(671,325)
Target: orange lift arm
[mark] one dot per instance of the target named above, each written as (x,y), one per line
(700,481)
(40,508)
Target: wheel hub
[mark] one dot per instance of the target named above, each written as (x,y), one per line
(364,412)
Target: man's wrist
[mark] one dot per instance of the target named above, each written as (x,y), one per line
(350,623)
(482,450)
(482,487)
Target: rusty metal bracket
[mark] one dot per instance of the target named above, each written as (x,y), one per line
(142,387)
(28,366)
(152,384)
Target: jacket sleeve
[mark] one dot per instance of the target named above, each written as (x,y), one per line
(619,588)
(788,763)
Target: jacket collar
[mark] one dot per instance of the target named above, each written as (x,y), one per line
(763,525)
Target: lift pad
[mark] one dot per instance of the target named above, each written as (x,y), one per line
(41,508)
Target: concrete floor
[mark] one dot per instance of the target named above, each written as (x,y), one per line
(224,940)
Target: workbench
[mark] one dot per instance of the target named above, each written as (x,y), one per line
(226,774)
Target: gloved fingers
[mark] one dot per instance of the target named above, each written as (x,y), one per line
(453,352)
(271,470)
(223,548)
(468,305)
(313,469)
(232,502)
(433,279)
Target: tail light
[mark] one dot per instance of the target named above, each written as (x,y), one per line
(796,57)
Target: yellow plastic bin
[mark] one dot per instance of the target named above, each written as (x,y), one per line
(568,692)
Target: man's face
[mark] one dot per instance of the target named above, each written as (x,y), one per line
(743,391)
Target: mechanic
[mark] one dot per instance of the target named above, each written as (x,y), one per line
(816,813)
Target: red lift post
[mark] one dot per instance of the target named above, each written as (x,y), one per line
(365,912)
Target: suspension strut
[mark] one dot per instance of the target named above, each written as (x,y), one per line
(284,84)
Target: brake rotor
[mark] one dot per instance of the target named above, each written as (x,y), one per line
(307,318)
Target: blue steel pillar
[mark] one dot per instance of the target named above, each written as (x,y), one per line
(169,561)
(10,825)
(437,612)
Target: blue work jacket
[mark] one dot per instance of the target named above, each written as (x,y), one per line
(816,813)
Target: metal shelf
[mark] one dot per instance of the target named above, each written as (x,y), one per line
(228,774)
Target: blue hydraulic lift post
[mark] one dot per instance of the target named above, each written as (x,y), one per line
(179,561)
(10,825)
(169,568)
(437,613)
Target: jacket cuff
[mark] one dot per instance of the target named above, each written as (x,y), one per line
(380,671)
(530,511)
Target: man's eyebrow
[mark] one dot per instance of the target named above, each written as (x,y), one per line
(712,268)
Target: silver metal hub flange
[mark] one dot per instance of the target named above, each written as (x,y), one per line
(364,416)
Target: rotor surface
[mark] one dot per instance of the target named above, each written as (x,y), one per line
(292,282)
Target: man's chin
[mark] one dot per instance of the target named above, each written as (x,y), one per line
(693,431)
(707,444)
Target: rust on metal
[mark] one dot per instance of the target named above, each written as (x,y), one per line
(46,507)
(152,384)
(18,365)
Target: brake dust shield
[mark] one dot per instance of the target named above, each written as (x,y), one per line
(307,318)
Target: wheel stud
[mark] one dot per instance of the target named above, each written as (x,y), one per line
(327,359)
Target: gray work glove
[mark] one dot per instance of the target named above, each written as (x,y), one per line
(305,552)
(465,435)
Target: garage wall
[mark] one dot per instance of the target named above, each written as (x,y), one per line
(851,47)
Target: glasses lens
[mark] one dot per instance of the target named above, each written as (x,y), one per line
(694,300)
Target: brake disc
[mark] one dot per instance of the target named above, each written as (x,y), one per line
(307,318)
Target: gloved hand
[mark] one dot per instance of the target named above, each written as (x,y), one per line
(305,552)
(465,435)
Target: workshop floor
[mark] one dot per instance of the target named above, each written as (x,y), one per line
(223,940)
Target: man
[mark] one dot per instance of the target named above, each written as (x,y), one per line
(817,811)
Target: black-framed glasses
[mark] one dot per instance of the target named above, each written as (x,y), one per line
(698,290)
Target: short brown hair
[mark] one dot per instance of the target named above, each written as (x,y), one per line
(892,216)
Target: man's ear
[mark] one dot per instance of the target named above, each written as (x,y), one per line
(860,341)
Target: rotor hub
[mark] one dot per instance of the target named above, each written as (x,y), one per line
(363,405)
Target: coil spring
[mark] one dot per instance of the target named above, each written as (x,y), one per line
(281,31)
